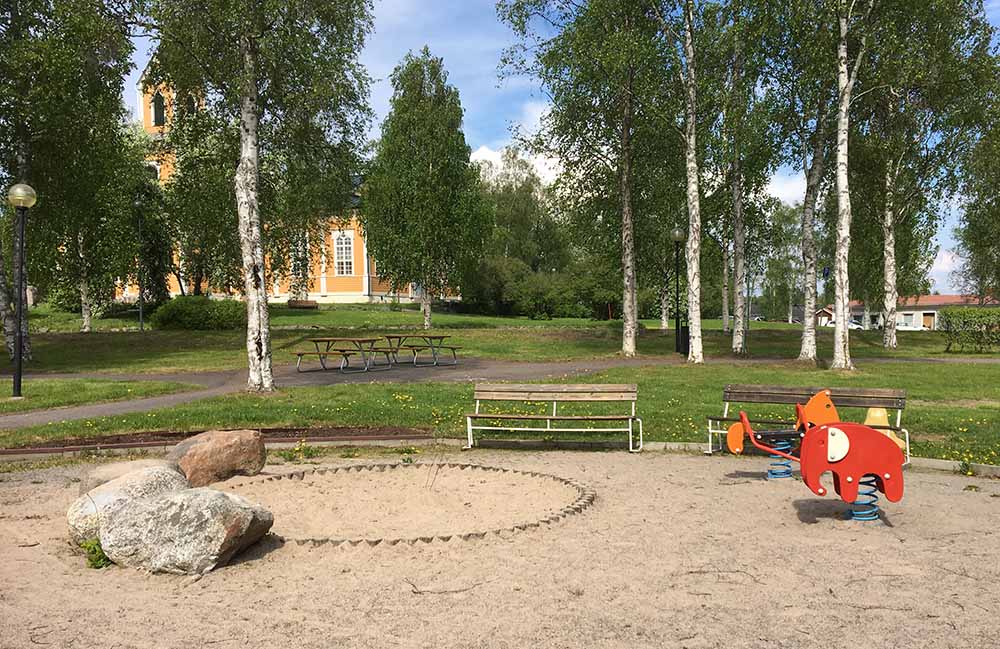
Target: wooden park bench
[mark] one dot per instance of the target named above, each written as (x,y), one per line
(878,401)
(555,394)
(303,304)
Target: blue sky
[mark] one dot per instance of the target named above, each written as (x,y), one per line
(467,34)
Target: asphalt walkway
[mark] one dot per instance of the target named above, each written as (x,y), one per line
(216,383)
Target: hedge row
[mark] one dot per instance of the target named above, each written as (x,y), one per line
(971,327)
(192,312)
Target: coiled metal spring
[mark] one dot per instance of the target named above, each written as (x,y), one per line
(780,467)
(865,507)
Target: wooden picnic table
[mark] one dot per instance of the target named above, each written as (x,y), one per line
(364,346)
(432,342)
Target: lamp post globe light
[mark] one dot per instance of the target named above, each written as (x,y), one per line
(21,197)
(677,234)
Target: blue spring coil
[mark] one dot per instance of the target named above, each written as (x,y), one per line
(865,507)
(780,467)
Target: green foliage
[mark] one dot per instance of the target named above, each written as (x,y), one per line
(195,312)
(422,208)
(972,328)
(95,554)
(301,451)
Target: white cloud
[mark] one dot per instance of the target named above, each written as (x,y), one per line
(788,187)
(532,114)
(546,168)
(944,264)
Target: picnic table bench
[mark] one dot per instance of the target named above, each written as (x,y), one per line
(878,401)
(430,342)
(346,347)
(555,394)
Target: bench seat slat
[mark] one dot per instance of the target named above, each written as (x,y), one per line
(556,387)
(843,396)
(484,415)
(554,396)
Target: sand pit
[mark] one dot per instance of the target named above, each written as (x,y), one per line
(393,503)
(676,551)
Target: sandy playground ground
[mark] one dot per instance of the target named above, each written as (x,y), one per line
(676,551)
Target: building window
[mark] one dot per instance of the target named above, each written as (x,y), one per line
(343,253)
(159,110)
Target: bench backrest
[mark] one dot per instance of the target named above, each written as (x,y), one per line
(555,392)
(841,397)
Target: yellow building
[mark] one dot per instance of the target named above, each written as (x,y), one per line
(344,272)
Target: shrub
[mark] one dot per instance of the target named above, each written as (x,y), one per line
(195,312)
(95,554)
(976,328)
(66,298)
(543,296)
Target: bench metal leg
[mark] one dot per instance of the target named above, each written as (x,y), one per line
(631,445)
(468,429)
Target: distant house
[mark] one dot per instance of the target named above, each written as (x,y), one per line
(921,311)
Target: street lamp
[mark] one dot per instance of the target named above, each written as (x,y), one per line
(21,197)
(677,234)
(137,204)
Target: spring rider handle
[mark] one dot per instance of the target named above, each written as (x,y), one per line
(753,438)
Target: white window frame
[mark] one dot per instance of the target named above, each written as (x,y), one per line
(343,267)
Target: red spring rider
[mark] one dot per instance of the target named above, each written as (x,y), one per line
(856,455)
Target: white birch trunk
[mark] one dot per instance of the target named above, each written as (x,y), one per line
(814,175)
(260,377)
(739,261)
(891,293)
(84,287)
(725,289)
(693,252)
(842,287)
(791,303)
(630,322)
(866,316)
(425,306)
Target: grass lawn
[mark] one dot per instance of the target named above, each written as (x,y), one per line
(480,336)
(52,393)
(954,409)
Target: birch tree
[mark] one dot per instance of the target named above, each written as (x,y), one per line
(288,75)
(852,16)
(678,33)
(799,38)
(918,112)
(595,62)
(423,209)
(61,69)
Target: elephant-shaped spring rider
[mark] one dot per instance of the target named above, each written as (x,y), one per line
(857,455)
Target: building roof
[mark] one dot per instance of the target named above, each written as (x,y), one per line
(927,301)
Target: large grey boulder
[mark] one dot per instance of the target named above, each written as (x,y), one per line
(88,512)
(185,532)
(108,472)
(218,455)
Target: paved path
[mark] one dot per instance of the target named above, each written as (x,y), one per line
(212,384)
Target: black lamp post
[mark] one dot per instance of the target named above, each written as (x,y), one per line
(21,197)
(137,204)
(677,234)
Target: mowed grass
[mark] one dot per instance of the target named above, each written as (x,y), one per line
(39,394)
(953,409)
(482,337)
